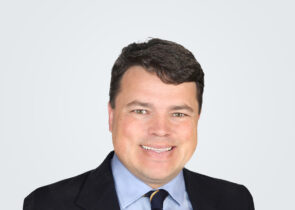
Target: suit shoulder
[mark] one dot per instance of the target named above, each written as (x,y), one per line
(220,190)
(61,191)
(209,181)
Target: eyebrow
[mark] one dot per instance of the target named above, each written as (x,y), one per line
(182,107)
(172,108)
(138,103)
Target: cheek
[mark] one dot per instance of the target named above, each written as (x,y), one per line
(187,132)
(130,129)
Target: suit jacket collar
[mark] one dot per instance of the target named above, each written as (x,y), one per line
(99,190)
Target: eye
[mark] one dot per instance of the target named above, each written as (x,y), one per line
(178,114)
(139,111)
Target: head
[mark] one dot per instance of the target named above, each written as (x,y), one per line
(155,103)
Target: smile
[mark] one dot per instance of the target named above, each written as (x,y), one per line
(158,150)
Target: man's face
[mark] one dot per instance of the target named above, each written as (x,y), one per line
(154,126)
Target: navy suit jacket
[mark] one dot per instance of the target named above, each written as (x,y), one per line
(95,190)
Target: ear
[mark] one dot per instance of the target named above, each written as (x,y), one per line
(111,116)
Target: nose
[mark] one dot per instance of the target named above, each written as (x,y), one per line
(159,126)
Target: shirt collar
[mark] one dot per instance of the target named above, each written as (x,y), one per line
(176,188)
(129,188)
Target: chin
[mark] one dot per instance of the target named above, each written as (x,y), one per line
(160,175)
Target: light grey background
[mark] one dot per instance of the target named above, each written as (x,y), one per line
(55,66)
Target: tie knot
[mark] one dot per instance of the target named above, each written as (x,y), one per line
(157,198)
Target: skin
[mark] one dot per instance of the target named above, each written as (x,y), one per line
(151,113)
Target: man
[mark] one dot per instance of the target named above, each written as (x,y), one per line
(155,104)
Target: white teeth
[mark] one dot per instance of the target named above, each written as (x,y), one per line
(158,150)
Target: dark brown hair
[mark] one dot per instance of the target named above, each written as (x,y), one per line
(172,63)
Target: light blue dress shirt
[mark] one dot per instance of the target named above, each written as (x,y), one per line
(130,190)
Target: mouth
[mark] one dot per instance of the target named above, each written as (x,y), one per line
(157,150)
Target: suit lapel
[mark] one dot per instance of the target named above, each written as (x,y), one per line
(194,188)
(98,191)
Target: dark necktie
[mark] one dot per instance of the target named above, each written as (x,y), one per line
(157,198)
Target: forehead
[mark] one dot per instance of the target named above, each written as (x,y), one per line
(139,84)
